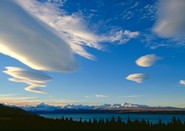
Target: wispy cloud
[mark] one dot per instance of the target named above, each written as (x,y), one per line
(73,28)
(17,100)
(6,95)
(147,60)
(137,9)
(33,78)
(138,77)
(31,41)
(153,42)
(121,36)
(182,82)
(22,101)
(133,96)
(100,96)
(171,18)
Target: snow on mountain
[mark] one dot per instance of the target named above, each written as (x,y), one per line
(46,107)
(85,107)
(116,105)
(133,105)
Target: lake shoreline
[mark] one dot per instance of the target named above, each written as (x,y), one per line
(127,111)
(133,116)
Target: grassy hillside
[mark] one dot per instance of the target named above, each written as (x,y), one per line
(6,111)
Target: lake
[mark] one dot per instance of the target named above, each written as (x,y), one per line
(154,118)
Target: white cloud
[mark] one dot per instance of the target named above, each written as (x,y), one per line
(100,96)
(138,78)
(182,82)
(32,42)
(73,28)
(147,60)
(69,27)
(171,18)
(33,78)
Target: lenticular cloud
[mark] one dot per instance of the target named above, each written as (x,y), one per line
(138,78)
(32,42)
(171,18)
(33,78)
(147,60)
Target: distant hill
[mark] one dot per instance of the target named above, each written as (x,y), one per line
(16,118)
(6,111)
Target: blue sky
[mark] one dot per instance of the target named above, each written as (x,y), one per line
(92,52)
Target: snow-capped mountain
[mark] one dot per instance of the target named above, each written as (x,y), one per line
(133,105)
(46,107)
(84,107)
(41,107)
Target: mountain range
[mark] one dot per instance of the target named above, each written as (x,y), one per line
(109,108)
(47,107)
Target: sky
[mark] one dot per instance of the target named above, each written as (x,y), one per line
(92,52)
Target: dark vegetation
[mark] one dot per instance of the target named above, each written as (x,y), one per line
(17,119)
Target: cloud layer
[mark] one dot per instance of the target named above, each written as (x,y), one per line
(171,18)
(32,42)
(138,77)
(33,78)
(73,28)
(14,99)
(147,60)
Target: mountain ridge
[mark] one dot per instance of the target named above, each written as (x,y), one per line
(124,107)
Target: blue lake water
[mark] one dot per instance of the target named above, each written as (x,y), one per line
(154,118)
